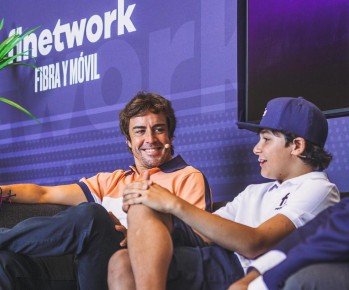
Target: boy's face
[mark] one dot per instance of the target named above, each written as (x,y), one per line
(149,135)
(274,157)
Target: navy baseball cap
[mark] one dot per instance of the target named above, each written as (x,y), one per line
(293,116)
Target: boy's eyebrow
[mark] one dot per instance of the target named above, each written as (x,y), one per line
(264,131)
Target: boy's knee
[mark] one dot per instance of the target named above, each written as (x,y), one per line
(118,263)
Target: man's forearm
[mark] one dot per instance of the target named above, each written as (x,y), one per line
(28,193)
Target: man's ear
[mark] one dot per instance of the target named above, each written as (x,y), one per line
(299,145)
(128,142)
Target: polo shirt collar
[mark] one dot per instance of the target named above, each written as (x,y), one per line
(172,165)
(298,179)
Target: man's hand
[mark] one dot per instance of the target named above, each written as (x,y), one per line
(120,228)
(243,283)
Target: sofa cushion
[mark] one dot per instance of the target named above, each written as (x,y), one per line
(12,213)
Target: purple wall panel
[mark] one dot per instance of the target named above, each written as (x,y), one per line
(184,50)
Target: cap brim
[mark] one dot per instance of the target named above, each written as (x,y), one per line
(249,126)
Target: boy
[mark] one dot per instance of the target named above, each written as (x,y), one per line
(292,135)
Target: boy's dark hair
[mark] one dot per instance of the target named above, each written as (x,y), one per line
(142,103)
(313,155)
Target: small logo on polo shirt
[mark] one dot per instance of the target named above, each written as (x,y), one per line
(283,201)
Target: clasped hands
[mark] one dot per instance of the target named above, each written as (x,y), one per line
(145,192)
(148,193)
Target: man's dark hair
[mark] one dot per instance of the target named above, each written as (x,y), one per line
(142,103)
(314,155)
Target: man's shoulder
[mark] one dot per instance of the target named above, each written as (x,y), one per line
(178,165)
(111,176)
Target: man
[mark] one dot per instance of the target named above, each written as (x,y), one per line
(292,135)
(319,251)
(148,123)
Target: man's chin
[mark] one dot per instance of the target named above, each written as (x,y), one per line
(154,162)
(151,163)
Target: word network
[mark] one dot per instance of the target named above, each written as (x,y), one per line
(69,35)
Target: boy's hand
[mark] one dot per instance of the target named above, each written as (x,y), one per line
(149,194)
(142,184)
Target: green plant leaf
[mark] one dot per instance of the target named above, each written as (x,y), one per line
(7,46)
(19,107)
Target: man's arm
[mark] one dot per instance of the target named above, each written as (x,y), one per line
(247,241)
(70,194)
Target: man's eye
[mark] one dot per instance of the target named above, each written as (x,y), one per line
(159,130)
(138,132)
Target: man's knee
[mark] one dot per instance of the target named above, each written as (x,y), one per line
(142,216)
(90,211)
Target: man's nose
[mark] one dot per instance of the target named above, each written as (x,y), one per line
(150,137)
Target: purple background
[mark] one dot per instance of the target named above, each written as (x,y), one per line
(184,50)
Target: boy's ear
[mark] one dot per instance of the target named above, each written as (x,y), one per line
(299,144)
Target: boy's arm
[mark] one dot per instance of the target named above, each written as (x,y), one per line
(247,241)
(70,194)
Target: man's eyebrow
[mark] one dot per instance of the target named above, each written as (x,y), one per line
(142,127)
(138,127)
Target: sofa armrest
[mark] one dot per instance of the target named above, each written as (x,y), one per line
(13,213)
(218,205)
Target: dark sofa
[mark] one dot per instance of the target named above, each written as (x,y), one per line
(12,213)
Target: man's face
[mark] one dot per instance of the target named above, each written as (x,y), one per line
(149,134)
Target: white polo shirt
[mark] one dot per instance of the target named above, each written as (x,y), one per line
(300,199)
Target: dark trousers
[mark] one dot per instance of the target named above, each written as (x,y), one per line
(198,266)
(85,231)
